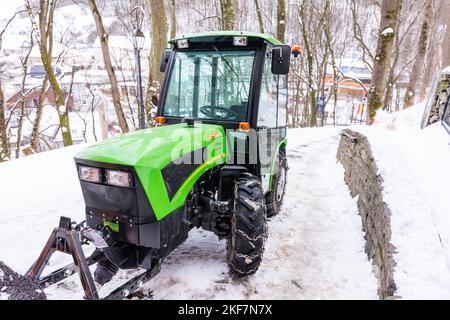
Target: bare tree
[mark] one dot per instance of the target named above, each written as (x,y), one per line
(358,34)
(4,144)
(23,93)
(329,42)
(119,62)
(259,15)
(446,40)
(93,103)
(310,21)
(281,20)
(103,36)
(390,10)
(416,72)
(4,141)
(173,19)
(228,10)
(45,14)
(402,59)
(46,31)
(159,42)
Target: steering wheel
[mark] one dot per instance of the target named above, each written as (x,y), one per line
(209,111)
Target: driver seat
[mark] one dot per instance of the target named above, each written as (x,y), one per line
(240,109)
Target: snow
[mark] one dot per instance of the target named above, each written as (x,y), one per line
(315,248)
(413,164)
(387,31)
(119,42)
(35,191)
(350,67)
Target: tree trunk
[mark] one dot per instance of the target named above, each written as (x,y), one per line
(228,8)
(102,120)
(108,65)
(159,42)
(259,15)
(390,10)
(23,95)
(4,145)
(45,16)
(46,30)
(416,72)
(34,141)
(173,19)
(59,99)
(446,41)
(281,20)
(446,53)
(310,69)
(329,44)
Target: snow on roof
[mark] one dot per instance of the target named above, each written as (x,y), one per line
(354,62)
(350,67)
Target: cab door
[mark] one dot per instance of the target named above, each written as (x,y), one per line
(271,120)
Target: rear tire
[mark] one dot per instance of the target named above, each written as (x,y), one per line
(245,244)
(274,198)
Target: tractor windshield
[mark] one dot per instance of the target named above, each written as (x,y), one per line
(210,85)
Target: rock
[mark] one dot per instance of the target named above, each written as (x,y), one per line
(364,181)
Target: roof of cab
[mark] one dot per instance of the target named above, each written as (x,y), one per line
(265,37)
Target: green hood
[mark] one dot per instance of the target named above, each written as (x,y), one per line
(150,150)
(153,147)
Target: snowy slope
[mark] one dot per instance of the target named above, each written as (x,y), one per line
(414,165)
(315,248)
(35,191)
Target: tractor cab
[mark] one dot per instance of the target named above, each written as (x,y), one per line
(234,79)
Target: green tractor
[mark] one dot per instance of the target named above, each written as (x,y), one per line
(215,160)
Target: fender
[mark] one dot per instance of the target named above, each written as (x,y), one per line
(274,161)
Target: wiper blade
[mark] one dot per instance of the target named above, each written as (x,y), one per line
(226,61)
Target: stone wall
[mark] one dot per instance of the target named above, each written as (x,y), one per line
(361,175)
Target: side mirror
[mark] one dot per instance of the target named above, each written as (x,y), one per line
(165,60)
(281,59)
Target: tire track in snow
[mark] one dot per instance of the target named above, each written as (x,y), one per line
(316,243)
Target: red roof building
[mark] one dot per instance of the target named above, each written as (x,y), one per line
(32,98)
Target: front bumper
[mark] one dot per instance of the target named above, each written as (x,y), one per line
(126,211)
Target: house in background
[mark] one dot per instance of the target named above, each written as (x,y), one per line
(353,78)
(32,98)
(353,82)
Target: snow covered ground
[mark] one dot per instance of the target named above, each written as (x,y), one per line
(414,164)
(315,248)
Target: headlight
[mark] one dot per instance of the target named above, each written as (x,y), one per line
(118,178)
(89,174)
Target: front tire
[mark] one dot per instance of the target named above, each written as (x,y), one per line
(245,244)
